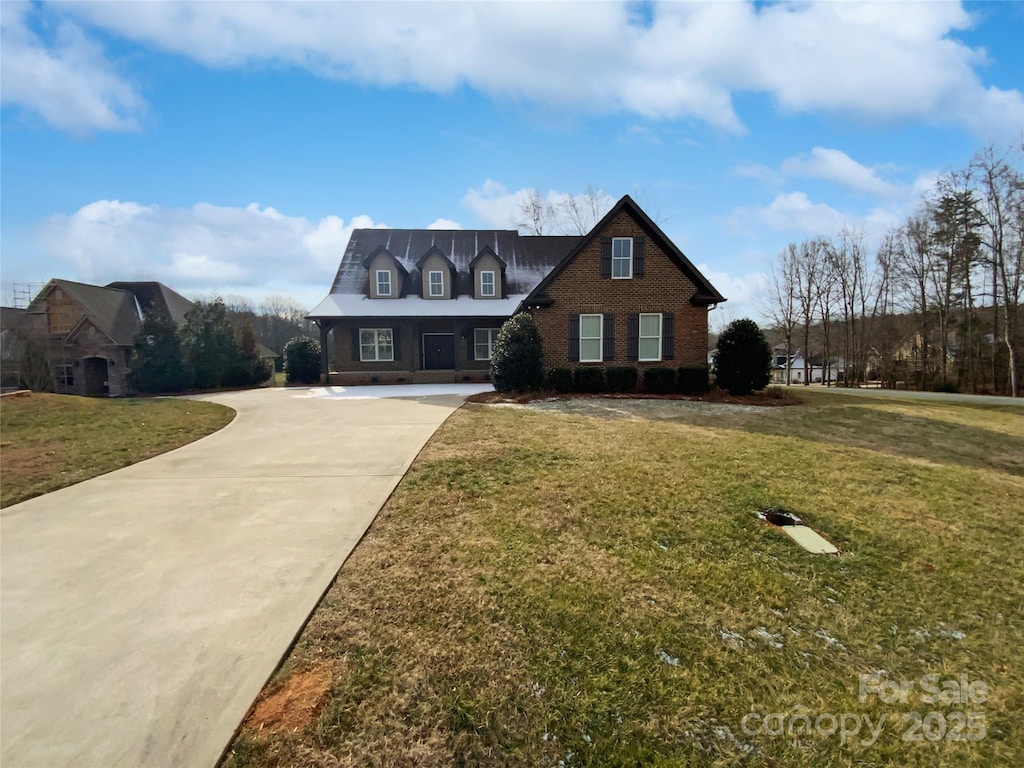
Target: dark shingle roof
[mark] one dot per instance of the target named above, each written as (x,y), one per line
(111,310)
(527,258)
(157,297)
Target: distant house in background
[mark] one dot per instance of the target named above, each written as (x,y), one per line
(792,370)
(89,330)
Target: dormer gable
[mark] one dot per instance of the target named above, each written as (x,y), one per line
(487,271)
(438,274)
(386,277)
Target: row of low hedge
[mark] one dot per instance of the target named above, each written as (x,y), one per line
(687,380)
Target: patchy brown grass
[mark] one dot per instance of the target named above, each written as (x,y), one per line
(548,587)
(52,441)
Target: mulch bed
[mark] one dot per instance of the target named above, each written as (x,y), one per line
(769,398)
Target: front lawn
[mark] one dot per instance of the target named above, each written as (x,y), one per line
(52,441)
(586,583)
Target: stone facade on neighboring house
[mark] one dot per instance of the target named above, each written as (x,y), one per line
(426,305)
(89,330)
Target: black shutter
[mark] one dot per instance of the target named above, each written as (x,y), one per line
(355,343)
(633,339)
(668,336)
(396,335)
(609,338)
(606,257)
(470,344)
(574,339)
(638,256)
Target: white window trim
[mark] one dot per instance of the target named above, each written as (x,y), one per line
(430,283)
(492,337)
(599,337)
(627,240)
(384,272)
(494,283)
(641,337)
(376,346)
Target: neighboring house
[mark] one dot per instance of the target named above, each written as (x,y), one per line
(816,373)
(89,330)
(426,305)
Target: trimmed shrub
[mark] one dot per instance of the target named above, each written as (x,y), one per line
(743,362)
(588,380)
(560,380)
(621,378)
(948,387)
(692,379)
(660,381)
(517,361)
(302,361)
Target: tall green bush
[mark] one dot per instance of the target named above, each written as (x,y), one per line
(743,362)
(517,361)
(158,364)
(302,361)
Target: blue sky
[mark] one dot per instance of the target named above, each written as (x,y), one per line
(231,146)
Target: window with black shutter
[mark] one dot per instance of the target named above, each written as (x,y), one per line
(638,256)
(668,341)
(633,337)
(609,337)
(574,338)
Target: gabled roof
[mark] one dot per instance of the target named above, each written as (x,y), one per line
(434,250)
(157,297)
(706,293)
(487,251)
(382,249)
(112,310)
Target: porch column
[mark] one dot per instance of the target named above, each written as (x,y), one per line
(324,326)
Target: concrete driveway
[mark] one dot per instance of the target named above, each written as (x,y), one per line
(143,611)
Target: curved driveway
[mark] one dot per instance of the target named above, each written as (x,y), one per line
(142,611)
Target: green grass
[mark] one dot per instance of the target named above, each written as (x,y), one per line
(52,441)
(594,589)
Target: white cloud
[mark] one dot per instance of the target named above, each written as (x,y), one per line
(444,224)
(66,80)
(880,61)
(493,204)
(206,247)
(837,166)
(760,172)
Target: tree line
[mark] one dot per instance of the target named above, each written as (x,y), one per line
(935,306)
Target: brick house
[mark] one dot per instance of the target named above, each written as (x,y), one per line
(89,330)
(426,305)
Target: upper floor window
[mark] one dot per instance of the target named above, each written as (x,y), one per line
(591,341)
(622,258)
(487,283)
(383,282)
(650,337)
(436,283)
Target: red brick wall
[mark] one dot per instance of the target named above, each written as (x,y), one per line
(579,288)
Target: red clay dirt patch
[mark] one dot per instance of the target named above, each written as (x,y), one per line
(771,397)
(292,706)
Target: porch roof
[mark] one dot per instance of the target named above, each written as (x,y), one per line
(337,305)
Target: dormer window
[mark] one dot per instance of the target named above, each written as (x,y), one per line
(487,283)
(383,282)
(622,258)
(436,284)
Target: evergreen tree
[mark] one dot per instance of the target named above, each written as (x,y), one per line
(517,362)
(158,364)
(744,359)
